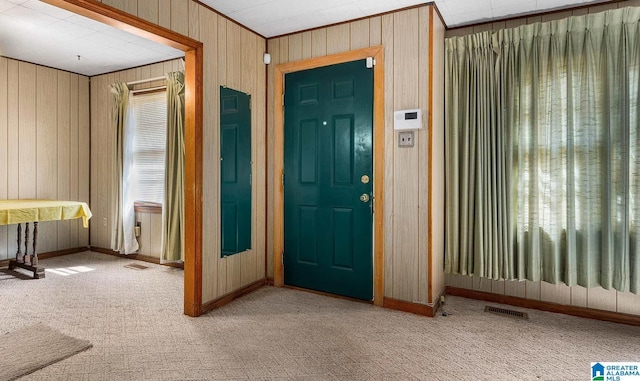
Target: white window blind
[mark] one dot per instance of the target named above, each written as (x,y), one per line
(149,142)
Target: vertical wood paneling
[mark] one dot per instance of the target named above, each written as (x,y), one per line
(515,288)
(27,131)
(295,47)
(4,146)
(180,16)
(360,34)
(306,45)
(46,150)
(375,31)
(84,153)
(164,13)
(74,154)
(406,161)
(532,290)
(235,64)
(390,143)
(422,140)
(318,43)
(601,299)
(148,10)
(578,296)
(155,226)
(555,293)
(336,41)
(438,157)
(274,50)
(211,162)
(64,150)
(194,20)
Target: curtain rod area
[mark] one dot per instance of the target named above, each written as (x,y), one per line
(145,80)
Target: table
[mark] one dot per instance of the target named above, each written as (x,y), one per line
(34,211)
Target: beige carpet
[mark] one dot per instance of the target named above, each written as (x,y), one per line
(34,347)
(134,320)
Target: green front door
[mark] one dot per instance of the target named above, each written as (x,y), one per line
(328,179)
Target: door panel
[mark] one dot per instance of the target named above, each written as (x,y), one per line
(235,171)
(328,147)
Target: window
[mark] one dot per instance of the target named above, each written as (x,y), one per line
(148,144)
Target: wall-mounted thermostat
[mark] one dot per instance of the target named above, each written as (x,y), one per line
(407,119)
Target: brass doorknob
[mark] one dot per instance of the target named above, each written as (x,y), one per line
(364,197)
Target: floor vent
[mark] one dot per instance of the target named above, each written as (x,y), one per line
(506,312)
(136,266)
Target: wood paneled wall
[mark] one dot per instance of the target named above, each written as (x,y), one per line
(232,58)
(405,37)
(44,147)
(597,298)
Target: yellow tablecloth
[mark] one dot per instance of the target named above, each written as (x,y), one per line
(19,211)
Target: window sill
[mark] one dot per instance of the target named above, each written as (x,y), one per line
(147,207)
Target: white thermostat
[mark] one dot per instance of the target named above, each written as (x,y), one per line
(407,119)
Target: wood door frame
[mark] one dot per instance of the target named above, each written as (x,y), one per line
(377,52)
(192,135)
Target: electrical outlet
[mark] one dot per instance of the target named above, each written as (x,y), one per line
(104,222)
(406,139)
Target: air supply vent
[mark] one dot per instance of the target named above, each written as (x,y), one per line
(136,266)
(506,312)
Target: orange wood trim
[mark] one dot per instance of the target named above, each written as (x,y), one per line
(589,313)
(137,257)
(50,254)
(414,308)
(230,297)
(193,181)
(266,167)
(124,21)
(430,166)
(377,52)
(193,129)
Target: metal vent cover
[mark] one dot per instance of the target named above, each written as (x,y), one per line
(506,312)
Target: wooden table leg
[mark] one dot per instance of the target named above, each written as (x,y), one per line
(34,256)
(27,259)
(19,257)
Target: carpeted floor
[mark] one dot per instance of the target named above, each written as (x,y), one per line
(134,320)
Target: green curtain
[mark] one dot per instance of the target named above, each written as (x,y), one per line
(122,234)
(173,205)
(542,147)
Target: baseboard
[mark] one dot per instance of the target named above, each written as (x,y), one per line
(230,297)
(51,254)
(414,308)
(269,281)
(137,257)
(589,313)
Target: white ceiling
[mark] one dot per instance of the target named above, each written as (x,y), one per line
(40,33)
(36,32)
(276,17)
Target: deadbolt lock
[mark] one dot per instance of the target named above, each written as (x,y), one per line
(364,197)
(364,179)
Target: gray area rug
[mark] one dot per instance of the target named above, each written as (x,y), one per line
(31,348)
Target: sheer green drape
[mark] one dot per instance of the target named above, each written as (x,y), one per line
(478,185)
(120,95)
(565,99)
(173,205)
